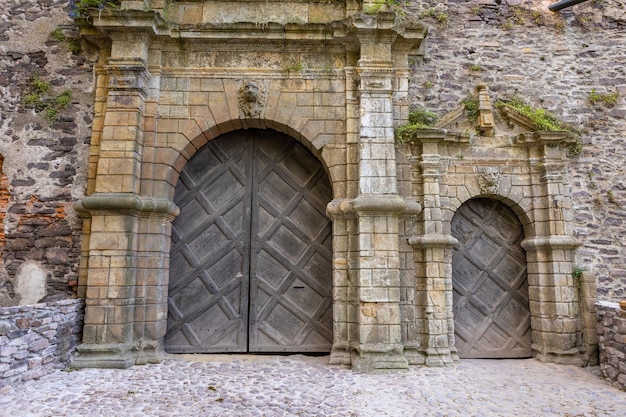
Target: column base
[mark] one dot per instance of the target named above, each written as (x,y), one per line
(414,355)
(117,355)
(439,358)
(379,359)
(340,356)
(561,357)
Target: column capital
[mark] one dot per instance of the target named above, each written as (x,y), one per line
(125,203)
(372,205)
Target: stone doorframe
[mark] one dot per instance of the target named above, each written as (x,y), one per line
(336,79)
(527,172)
(339,85)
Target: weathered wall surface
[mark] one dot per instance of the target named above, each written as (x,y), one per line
(43,141)
(37,339)
(553,61)
(611,328)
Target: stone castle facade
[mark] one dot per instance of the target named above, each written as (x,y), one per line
(339,78)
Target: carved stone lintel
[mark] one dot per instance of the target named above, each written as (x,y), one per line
(252,96)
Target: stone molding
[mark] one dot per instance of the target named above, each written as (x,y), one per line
(371,205)
(125,203)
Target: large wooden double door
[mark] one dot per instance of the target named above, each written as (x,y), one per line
(489,279)
(250,263)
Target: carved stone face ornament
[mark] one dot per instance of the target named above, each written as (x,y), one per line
(251,96)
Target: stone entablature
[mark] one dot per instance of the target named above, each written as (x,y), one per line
(339,85)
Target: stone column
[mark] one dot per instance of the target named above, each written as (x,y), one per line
(550,256)
(377,206)
(124,297)
(433,263)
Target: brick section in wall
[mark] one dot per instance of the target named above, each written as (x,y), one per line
(44,153)
(612,341)
(37,339)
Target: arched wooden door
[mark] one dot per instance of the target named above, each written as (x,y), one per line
(490,287)
(250,264)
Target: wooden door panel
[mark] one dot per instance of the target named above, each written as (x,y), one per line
(209,275)
(251,251)
(490,288)
(291,268)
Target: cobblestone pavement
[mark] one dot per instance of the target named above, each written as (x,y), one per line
(237,385)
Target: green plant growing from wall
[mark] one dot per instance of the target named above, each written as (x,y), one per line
(471,108)
(81,8)
(295,67)
(577,275)
(419,118)
(506,26)
(58,34)
(560,24)
(475,68)
(610,195)
(72,42)
(442,18)
(537,17)
(542,119)
(517,15)
(576,148)
(383,5)
(607,100)
(40,97)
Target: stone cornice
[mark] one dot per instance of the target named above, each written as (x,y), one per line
(100,26)
(545,137)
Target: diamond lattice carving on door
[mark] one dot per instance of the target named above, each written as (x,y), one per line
(490,287)
(250,266)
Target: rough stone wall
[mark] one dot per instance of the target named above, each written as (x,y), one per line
(37,339)
(554,61)
(44,148)
(611,328)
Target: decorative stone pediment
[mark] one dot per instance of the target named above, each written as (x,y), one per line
(476,116)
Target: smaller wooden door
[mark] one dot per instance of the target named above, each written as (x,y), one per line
(490,287)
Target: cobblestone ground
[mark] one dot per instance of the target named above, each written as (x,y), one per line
(219,385)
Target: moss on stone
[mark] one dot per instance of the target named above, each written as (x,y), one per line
(419,118)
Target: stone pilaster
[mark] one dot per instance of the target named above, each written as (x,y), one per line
(433,262)
(126,296)
(125,312)
(377,206)
(550,256)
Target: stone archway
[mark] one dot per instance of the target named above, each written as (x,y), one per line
(170,81)
(250,263)
(489,282)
